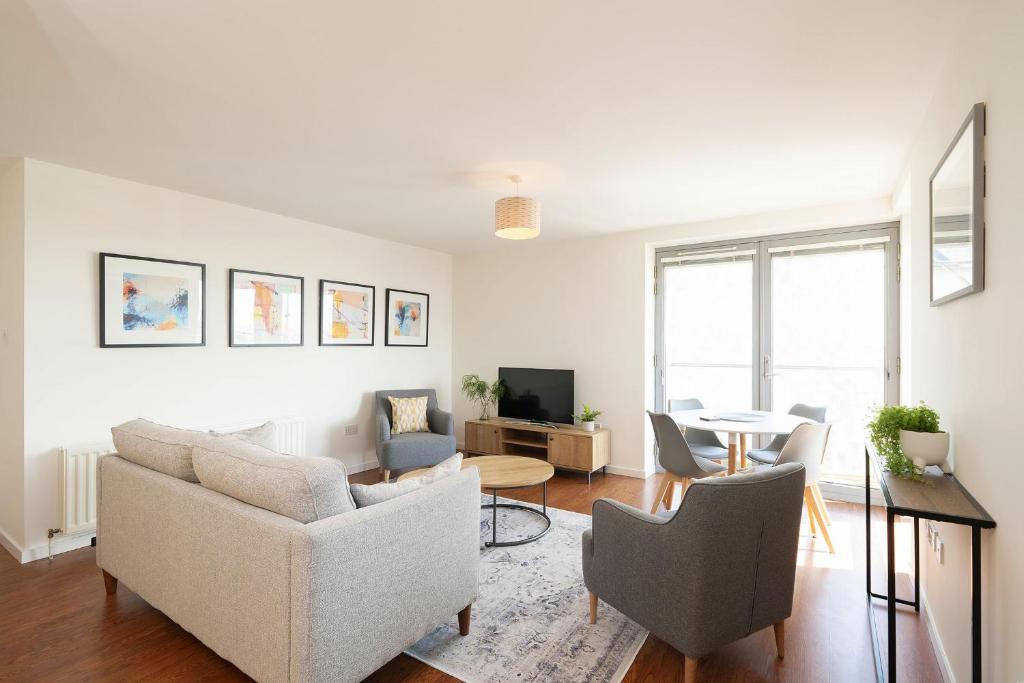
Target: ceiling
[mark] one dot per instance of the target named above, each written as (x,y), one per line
(401,119)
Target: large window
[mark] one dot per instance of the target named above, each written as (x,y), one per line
(797,319)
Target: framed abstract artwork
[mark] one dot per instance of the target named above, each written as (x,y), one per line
(265,309)
(407,322)
(346,313)
(151,302)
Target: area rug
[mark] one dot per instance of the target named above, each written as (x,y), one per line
(530,621)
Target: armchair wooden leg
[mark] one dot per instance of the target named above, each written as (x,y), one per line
(464,618)
(593,608)
(780,638)
(689,670)
(662,492)
(387,476)
(109,582)
(812,509)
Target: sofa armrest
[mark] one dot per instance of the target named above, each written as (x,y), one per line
(441,422)
(383,428)
(369,583)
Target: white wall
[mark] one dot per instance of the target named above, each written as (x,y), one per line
(75,391)
(967,354)
(587,304)
(12,388)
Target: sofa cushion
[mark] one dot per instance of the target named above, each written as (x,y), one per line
(262,435)
(408,414)
(304,488)
(378,493)
(159,447)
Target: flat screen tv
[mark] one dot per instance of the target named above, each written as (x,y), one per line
(537,394)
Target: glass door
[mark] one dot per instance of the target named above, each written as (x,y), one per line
(807,318)
(827,316)
(708,331)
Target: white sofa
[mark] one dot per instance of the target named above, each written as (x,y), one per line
(330,600)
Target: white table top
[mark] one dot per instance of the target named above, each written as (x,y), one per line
(770,423)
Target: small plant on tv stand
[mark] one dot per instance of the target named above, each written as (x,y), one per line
(587,417)
(479,391)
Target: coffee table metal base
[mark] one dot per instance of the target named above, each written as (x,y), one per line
(494,505)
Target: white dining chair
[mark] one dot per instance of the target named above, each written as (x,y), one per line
(806,445)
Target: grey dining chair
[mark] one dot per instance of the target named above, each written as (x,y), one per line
(806,446)
(679,462)
(770,453)
(720,569)
(702,442)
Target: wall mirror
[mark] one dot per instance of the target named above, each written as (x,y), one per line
(957,202)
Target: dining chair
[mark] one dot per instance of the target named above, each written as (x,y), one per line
(702,442)
(681,466)
(770,453)
(806,445)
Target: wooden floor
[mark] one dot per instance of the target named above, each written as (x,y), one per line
(57,623)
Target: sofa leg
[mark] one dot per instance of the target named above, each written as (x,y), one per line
(109,582)
(464,618)
(689,670)
(387,476)
(780,638)
(593,608)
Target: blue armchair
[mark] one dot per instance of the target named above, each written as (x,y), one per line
(414,449)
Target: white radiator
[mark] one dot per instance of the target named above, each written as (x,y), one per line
(77,496)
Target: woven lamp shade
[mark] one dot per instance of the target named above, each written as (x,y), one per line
(516,218)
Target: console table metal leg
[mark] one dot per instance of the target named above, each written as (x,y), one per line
(976,604)
(917,564)
(890,543)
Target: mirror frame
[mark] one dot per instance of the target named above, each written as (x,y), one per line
(977,117)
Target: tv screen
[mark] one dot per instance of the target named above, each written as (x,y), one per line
(536,394)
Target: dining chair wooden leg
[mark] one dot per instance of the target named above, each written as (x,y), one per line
(593,608)
(666,481)
(820,499)
(780,639)
(686,487)
(670,497)
(813,509)
(689,670)
(743,450)
(809,505)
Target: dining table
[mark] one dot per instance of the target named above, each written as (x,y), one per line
(738,424)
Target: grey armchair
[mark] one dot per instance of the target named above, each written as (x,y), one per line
(415,449)
(722,568)
(702,442)
(675,457)
(770,453)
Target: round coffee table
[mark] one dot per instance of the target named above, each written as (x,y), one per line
(503,472)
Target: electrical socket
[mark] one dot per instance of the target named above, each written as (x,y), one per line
(940,552)
(351,430)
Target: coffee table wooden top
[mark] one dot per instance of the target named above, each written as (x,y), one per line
(504,471)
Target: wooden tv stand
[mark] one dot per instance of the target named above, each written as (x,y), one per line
(567,448)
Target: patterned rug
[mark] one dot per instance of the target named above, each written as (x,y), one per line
(530,621)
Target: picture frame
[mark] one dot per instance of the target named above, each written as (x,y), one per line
(151,302)
(956,214)
(265,309)
(407,318)
(347,313)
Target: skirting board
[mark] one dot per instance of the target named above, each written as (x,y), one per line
(363,466)
(10,546)
(61,544)
(933,635)
(849,494)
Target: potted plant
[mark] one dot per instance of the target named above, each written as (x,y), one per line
(908,439)
(587,417)
(479,391)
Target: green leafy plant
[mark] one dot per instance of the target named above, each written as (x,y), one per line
(884,432)
(479,391)
(588,414)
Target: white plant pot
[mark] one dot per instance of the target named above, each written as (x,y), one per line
(587,426)
(925,448)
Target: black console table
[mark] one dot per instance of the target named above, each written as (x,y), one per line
(942,498)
